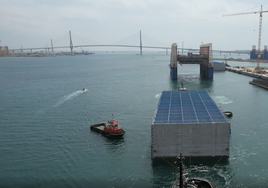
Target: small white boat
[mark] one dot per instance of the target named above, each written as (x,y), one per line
(182,88)
(84,89)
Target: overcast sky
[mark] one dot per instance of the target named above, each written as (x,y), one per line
(33,23)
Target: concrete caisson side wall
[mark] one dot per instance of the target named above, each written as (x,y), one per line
(202,139)
(219,66)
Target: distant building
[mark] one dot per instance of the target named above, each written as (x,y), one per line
(254,53)
(4,51)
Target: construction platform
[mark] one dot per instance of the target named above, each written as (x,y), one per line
(189,122)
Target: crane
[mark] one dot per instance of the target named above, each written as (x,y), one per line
(260,26)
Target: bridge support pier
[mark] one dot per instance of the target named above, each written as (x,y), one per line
(206,68)
(174,73)
(173,62)
(206,72)
(205,59)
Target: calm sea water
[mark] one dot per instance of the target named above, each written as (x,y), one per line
(45,121)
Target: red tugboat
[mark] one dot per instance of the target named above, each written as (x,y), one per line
(111,129)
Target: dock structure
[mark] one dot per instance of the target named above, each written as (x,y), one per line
(262,78)
(243,71)
(189,122)
(204,59)
(260,83)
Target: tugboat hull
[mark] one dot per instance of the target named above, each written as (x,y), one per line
(100,129)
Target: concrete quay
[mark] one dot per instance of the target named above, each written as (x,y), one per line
(260,83)
(245,71)
(241,60)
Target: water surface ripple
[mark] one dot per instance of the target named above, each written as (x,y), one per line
(45,121)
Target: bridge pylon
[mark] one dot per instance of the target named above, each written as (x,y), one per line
(52,45)
(140,44)
(71,42)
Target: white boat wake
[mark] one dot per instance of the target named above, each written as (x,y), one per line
(222,100)
(158,95)
(69,97)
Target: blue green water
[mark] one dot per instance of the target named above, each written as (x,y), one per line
(45,122)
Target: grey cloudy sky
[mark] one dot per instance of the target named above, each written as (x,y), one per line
(32,23)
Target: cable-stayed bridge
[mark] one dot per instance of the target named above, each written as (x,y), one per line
(140,47)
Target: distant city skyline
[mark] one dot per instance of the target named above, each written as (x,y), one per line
(31,23)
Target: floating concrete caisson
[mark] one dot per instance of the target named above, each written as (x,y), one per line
(189,122)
